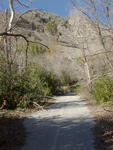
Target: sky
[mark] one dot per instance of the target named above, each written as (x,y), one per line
(58,7)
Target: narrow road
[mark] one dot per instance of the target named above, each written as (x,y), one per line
(66,125)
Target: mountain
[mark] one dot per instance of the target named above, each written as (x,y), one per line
(69,39)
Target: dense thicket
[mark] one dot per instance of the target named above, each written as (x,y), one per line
(21,88)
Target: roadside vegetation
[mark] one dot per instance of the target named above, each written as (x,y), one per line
(100,99)
(68,84)
(32,84)
(21,89)
(102,90)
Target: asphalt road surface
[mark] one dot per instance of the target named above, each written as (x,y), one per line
(66,125)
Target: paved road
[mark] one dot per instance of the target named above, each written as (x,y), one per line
(66,125)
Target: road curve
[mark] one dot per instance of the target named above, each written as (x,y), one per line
(66,125)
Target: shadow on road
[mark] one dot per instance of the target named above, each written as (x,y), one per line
(61,134)
(65,126)
(68,104)
(70,94)
(12,132)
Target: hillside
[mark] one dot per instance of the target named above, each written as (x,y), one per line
(74,37)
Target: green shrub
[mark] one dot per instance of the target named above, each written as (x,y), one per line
(48,79)
(66,79)
(51,27)
(34,83)
(78,88)
(102,89)
(7,89)
(53,82)
(36,76)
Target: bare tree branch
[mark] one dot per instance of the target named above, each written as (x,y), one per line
(12,13)
(22,4)
(20,35)
(27,41)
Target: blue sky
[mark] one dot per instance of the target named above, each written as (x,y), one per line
(59,7)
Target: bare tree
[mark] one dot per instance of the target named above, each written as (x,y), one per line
(9,32)
(12,10)
(99,13)
(10,68)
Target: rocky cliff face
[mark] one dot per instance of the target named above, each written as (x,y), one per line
(74,38)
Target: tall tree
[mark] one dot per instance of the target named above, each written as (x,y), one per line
(11,25)
(100,14)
